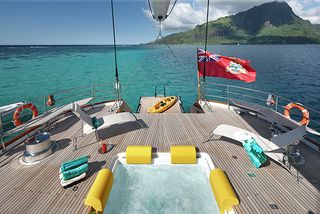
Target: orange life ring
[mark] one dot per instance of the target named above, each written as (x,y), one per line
(16,115)
(305,113)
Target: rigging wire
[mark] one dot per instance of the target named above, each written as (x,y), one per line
(150,9)
(160,27)
(138,65)
(201,84)
(152,46)
(160,35)
(174,4)
(154,43)
(114,43)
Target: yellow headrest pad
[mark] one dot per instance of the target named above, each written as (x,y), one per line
(183,154)
(139,155)
(222,190)
(100,190)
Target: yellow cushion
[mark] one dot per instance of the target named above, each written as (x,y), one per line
(100,190)
(222,190)
(183,154)
(139,154)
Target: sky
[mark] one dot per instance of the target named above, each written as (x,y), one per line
(41,22)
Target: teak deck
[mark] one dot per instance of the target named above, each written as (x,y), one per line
(270,189)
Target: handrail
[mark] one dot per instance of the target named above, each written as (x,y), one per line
(250,89)
(258,91)
(217,97)
(156,89)
(248,96)
(104,91)
(224,91)
(80,87)
(69,94)
(308,107)
(239,87)
(217,90)
(235,93)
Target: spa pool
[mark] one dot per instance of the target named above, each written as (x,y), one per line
(161,187)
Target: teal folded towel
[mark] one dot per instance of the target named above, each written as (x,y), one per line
(96,122)
(255,152)
(73,164)
(67,175)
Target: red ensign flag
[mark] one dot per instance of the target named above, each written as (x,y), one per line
(225,67)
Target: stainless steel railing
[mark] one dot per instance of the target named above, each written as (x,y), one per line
(98,92)
(226,93)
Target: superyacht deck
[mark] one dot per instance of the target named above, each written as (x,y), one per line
(270,189)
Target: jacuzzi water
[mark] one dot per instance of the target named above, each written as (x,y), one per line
(163,188)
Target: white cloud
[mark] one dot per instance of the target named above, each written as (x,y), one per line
(187,14)
(307,9)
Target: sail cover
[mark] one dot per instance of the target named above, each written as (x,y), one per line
(160,9)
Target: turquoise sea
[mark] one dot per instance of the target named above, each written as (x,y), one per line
(32,72)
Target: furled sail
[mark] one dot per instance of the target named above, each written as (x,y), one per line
(159,9)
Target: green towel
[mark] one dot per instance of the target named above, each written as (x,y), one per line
(67,175)
(96,122)
(255,152)
(73,164)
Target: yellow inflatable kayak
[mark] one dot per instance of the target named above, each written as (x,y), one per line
(163,105)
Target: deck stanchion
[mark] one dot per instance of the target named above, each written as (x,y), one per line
(1,126)
(1,134)
(277,100)
(45,104)
(93,92)
(118,90)
(228,96)
(203,90)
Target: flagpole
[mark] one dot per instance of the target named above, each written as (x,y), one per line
(206,41)
(205,50)
(199,86)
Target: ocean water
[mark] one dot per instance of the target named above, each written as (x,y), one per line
(162,189)
(31,72)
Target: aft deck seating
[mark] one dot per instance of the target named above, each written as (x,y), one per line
(94,124)
(55,112)
(269,114)
(275,118)
(274,148)
(294,157)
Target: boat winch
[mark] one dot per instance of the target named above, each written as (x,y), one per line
(38,147)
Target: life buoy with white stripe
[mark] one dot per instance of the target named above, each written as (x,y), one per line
(305,113)
(16,115)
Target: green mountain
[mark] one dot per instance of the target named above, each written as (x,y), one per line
(269,23)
